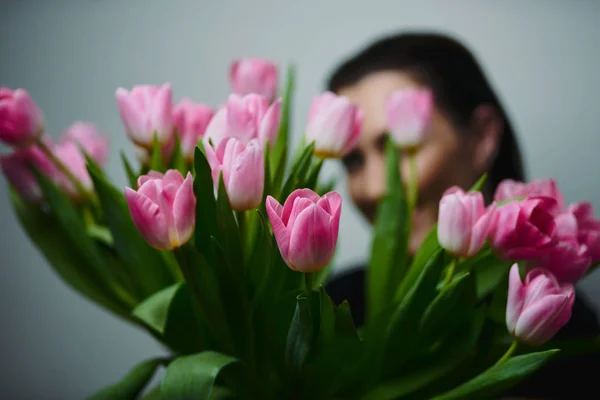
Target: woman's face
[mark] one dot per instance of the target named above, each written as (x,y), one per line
(446,158)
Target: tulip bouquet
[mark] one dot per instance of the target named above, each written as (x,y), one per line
(221,244)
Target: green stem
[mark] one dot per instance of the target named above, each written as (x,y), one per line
(242,224)
(509,352)
(192,286)
(413,183)
(451,271)
(65,170)
(308,283)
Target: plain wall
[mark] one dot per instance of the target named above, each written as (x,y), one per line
(541,55)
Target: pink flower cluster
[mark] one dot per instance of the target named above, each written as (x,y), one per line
(22,127)
(527,222)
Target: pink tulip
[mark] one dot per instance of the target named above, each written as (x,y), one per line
(567,260)
(245,118)
(94,143)
(510,189)
(21,121)
(243,169)
(146,111)
(537,309)
(588,227)
(70,155)
(163,208)
(334,125)
(306,228)
(523,230)
(463,222)
(191,120)
(254,75)
(408,116)
(16,168)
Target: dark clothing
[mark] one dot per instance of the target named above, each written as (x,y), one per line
(573,378)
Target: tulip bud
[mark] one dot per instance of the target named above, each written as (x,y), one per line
(245,118)
(537,309)
(254,75)
(523,230)
(306,228)
(146,111)
(94,143)
(334,125)
(408,116)
(21,121)
(163,208)
(191,120)
(510,189)
(463,222)
(70,155)
(243,169)
(17,169)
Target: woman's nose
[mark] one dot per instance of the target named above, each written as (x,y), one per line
(374,180)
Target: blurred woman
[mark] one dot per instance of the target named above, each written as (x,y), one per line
(470,133)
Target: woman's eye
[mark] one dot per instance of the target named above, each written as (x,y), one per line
(353,161)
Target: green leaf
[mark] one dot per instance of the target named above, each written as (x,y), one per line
(428,249)
(235,301)
(344,322)
(46,234)
(279,154)
(300,335)
(327,316)
(389,248)
(313,176)
(268,188)
(74,235)
(477,186)
(260,261)
(500,378)
(177,160)
(132,384)
(229,234)
(206,206)
(401,339)
(297,173)
(154,311)
(193,376)
(207,305)
(156,161)
(326,187)
(446,310)
(168,312)
(427,370)
(490,270)
(143,263)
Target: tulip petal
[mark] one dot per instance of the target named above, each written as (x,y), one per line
(241,123)
(246,179)
(148,219)
(280,231)
(335,204)
(480,231)
(289,202)
(516,298)
(540,321)
(184,210)
(453,224)
(269,126)
(311,243)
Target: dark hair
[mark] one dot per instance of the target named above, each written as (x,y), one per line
(452,73)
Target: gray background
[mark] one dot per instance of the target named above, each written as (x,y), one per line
(542,56)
